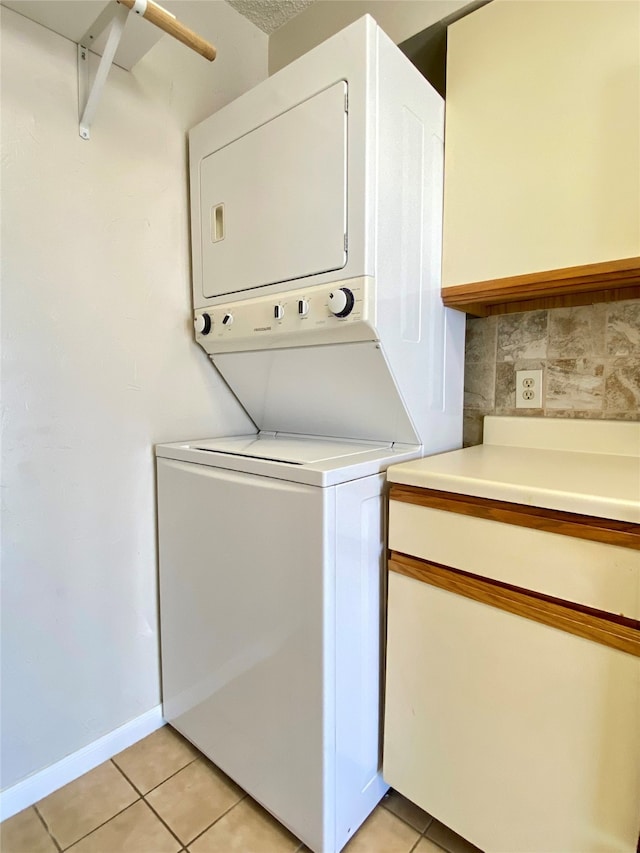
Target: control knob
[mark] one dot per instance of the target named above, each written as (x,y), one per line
(278,312)
(202,324)
(341,302)
(303,307)
(227,320)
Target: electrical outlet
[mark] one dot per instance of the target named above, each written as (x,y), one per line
(528,389)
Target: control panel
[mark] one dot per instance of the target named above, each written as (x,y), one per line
(332,313)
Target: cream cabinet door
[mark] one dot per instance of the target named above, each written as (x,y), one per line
(542,140)
(520,737)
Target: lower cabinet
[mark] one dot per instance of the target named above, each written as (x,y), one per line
(512,716)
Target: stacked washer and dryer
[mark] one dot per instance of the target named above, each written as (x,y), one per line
(316,232)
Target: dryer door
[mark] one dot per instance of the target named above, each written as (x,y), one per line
(274,202)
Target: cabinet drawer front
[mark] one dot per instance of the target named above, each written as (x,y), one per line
(596,625)
(516,735)
(605,577)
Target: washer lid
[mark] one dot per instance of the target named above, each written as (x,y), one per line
(341,389)
(286,448)
(296,458)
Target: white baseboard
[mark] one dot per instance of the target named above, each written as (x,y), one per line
(43,783)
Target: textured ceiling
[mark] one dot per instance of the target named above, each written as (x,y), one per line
(269,14)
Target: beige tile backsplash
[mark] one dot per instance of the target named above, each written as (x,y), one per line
(590,357)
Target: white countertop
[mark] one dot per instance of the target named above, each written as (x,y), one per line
(526,461)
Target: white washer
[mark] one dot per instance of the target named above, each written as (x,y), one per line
(271,555)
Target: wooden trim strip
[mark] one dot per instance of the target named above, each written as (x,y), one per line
(568,300)
(626,534)
(605,281)
(167,23)
(598,628)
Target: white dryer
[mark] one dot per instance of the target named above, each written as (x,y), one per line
(316,227)
(316,232)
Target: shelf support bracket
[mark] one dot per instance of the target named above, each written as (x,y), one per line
(115,17)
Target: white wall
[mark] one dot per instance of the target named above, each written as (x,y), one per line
(400,19)
(98,365)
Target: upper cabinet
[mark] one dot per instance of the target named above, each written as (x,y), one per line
(542,154)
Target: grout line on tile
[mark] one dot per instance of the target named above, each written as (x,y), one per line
(195,838)
(44,823)
(165,824)
(104,823)
(122,773)
(431,820)
(196,758)
(410,825)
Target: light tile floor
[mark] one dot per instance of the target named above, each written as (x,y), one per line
(162,796)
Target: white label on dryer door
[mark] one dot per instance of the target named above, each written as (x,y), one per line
(274,202)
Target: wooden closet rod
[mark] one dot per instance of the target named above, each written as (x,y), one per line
(157,15)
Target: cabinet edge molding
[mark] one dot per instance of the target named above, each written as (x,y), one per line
(625,534)
(608,281)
